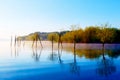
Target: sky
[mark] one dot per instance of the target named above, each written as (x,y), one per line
(21,17)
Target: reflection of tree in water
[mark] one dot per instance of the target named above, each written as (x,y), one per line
(16,47)
(87,53)
(74,68)
(14,51)
(91,54)
(53,56)
(59,56)
(105,66)
(36,55)
(60,49)
(114,53)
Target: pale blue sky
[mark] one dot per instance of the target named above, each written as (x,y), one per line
(22,17)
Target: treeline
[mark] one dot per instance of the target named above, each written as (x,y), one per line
(91,34)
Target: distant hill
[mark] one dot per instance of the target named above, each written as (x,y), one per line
(42,35)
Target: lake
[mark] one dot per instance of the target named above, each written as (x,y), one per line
(88,61)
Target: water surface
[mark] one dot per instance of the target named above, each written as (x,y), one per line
(88,61)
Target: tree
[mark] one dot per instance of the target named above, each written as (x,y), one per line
(116,35)
(35,37)
(106,34)
(90,34)
(53,37)
(73,36)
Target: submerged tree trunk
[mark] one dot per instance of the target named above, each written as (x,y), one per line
(103,45)
(36,43)
(103,52)
(15,41)
(11,41)
(74,47)
(52,43)
(60,42)
(33,43)
(40,42)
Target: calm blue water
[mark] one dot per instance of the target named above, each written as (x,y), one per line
(89,61)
